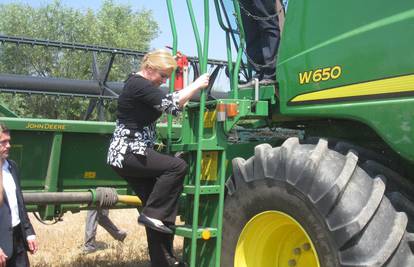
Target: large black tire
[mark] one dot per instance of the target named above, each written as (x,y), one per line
(340,207)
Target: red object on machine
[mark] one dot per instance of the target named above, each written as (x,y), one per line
(181,72)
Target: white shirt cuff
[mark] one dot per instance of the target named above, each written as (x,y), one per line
(31,237)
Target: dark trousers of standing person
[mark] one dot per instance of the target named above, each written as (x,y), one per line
(157,179)
(262,35)
(19,257)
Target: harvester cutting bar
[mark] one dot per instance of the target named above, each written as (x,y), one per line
(91,48)
(68,45)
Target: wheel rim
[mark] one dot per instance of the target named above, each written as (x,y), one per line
(273,239)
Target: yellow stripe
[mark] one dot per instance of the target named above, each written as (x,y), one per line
(385,86)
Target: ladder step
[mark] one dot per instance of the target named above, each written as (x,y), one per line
(204,189)
(186,231)
(193,147)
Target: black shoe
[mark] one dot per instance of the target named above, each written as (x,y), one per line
(180,154)
(121,235)
(144,220)
(267,81)
(88,250)
(247,85)
(179,264)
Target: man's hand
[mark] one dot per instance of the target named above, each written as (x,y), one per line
(33,246)
(3,258)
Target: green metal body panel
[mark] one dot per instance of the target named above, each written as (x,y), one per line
(360,53)
(83,147)
(59,155)
(80,153)
(63,155)
(370,41)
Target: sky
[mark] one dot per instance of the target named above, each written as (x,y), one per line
(186,40)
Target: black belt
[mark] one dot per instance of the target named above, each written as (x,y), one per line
(132,126)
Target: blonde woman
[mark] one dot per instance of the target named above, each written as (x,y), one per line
(155,177)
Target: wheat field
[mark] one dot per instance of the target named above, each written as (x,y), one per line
(60,245)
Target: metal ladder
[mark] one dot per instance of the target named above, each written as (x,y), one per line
(203,193)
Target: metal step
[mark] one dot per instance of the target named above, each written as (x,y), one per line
(204,189)
(193,147)
(202,233)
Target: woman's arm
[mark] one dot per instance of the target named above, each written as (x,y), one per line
(185,94)
(173,103)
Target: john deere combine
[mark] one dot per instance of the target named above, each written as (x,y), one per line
(316,170)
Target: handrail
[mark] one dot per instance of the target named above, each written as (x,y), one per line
(240,50)
(229,33)
(175,38)
(230,64)
(228,43)
(196,33)
(172,80)
(206,35)
(203,68)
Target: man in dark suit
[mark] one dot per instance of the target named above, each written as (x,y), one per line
(16,232)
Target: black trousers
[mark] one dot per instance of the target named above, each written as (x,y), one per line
(157,179)
(262,36)
(19,257)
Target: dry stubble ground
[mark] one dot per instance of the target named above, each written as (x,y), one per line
(60,244)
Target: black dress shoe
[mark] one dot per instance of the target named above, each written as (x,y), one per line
(179,264)
(246,85)
(88,250)
(144,220)
(121,235)
(267,81)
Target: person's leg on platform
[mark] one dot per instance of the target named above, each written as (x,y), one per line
(269,37)
(160,245)
(168,172)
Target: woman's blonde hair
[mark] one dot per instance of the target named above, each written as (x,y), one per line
(159,59)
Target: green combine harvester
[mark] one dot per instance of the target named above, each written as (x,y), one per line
(314,171)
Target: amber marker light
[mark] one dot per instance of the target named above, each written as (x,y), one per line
(206,234)
(232,110)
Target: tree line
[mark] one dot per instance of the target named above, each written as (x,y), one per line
(112,25)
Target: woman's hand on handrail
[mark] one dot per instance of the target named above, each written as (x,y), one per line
(186,93)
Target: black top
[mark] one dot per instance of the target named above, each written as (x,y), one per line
(139,102)
(139,106)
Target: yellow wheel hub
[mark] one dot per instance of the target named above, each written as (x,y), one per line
(274,239)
